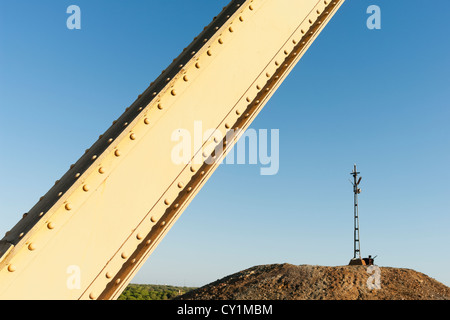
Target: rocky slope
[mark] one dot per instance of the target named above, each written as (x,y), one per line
(306,282)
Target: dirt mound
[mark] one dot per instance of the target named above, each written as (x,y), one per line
(306,282)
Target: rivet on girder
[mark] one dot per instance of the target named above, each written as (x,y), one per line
(77,175)
(166,202)
(146,121)
(101,170)
(86,188)
(50,225)
(117,153)
(31,247)
(68,206)
(180,185)
(139,236)
(124,255)
(186,78)
(153,219)
(11,268)
(220,41)
(92,296)
(108,275)
(133,136)
(173,92)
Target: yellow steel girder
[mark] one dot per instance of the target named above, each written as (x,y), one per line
(108,213)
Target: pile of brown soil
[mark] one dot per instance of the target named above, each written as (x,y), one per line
(306,282)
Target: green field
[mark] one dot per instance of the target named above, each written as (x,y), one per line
(152,292)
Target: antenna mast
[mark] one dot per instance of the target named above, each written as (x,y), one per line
(356,191)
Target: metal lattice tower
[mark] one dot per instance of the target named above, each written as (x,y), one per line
(356,191)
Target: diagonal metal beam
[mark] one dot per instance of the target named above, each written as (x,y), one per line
(108,213)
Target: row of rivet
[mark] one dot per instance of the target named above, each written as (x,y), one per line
(68,206)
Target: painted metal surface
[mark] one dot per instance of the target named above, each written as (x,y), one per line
(108,213)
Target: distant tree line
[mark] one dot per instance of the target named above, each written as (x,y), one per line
(152,292)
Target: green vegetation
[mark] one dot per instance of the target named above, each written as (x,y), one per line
(152,292)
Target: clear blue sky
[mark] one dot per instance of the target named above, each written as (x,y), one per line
(378,98)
